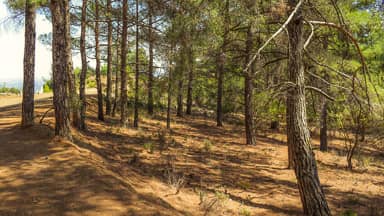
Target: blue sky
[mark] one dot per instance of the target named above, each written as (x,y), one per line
(12,49)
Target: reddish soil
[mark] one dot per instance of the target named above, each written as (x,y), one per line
(197,169)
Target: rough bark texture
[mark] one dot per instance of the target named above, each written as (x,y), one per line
(29,65)
(108,103)
(311,193)
(84,66)
(59,10)
(100,112)
(136,109)
(248,92)
(150,67)
(123,76)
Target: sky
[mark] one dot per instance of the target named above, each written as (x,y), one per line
(12,49)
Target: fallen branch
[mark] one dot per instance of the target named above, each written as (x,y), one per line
(43,116)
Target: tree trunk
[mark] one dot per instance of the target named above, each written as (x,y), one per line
(190,80)
(169,102)
(117,71)
(150,68)
(248,91)
(108,103)
(324,119)
(74,97)
(136,111)
(311,193)
(123,76)
(180,95)
(59,11)
(220,67)
(29,65)
(84,66)
(220,74)
(324,127)
(100,112)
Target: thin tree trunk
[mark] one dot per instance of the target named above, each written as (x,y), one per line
(29,65)
(150,68)
(190,81)
(180,90)
(84,66)
(324,119)
(220,67)
(311,193)
(136,111)
(117,71)
(108,102)
(124,96)
(169,102)
(59,11)
(248,92)
(74,97)
(220,74)
(100,112)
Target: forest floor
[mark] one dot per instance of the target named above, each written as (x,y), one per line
(198,169)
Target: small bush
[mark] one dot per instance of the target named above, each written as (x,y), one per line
(244,212)
(208,146)
(349,213)
(149,147)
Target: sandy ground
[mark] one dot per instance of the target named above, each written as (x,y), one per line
(198,169)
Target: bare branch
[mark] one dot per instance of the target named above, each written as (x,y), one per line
(320,92)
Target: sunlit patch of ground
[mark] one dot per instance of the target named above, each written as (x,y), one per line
(197,169)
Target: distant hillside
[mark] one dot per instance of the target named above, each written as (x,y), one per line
(18,83)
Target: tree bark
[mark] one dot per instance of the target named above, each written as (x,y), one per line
(311,193)
(117,71)
(150,68)
(248,91)
(74,97)
(220,67)
(169,99)
(100,112)
(29,65)
(324,119)
(108,103)
(84,66)
(59,11)
(180,90)
(123,76)
(136,109)
(190,80)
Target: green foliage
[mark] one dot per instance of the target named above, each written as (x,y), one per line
(48,86)
(149,147)
(349,213)
(5,89)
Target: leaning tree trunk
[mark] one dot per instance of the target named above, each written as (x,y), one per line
(136,108)
(108,103)
(150,67)
(74,103)
(100,113)
(29,65)
(84,66)
(248,92)
(59,11)
(311,193)
(123,76)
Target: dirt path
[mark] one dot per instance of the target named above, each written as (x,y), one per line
(113,171)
